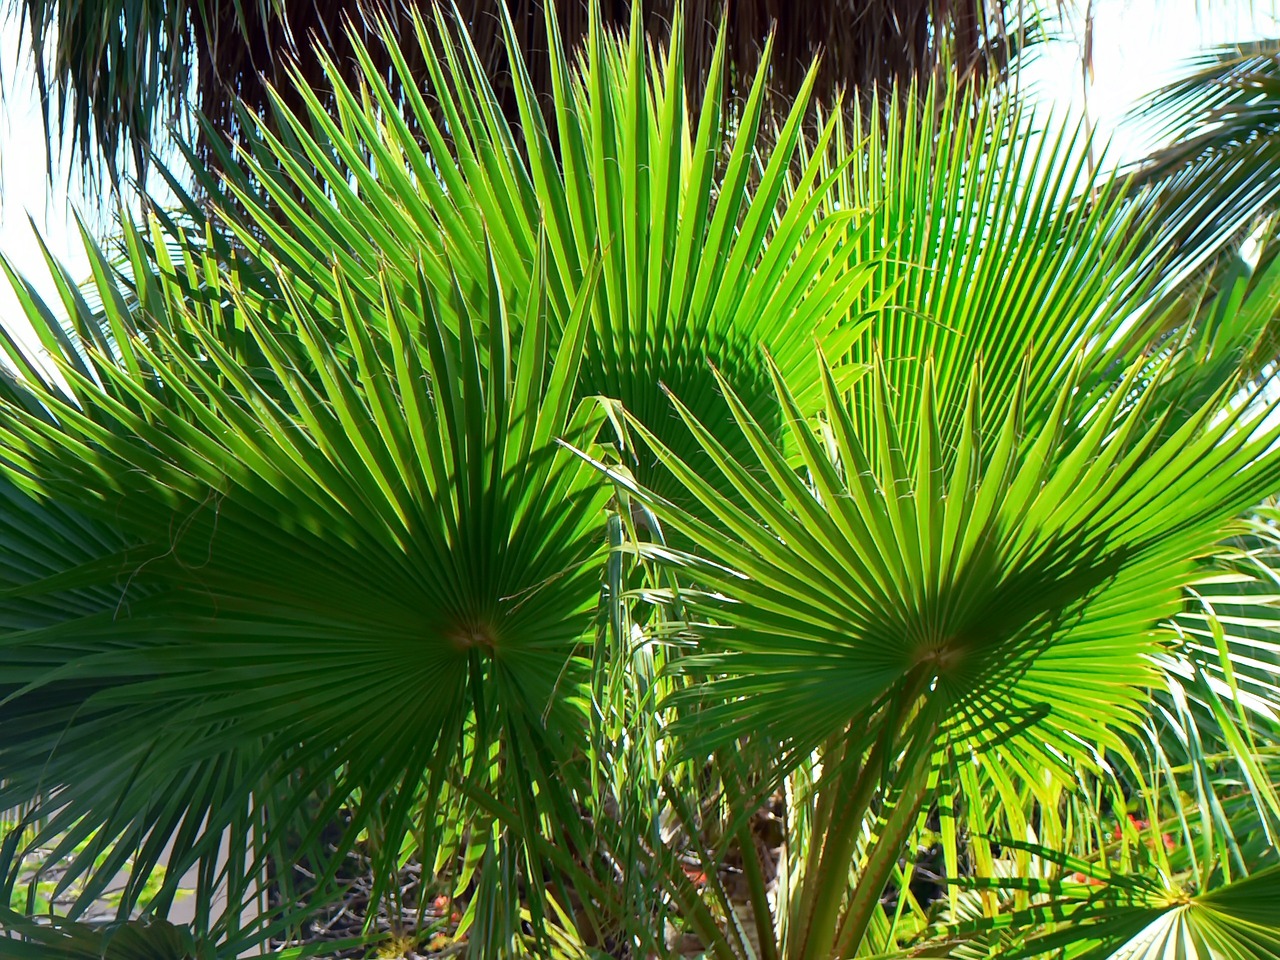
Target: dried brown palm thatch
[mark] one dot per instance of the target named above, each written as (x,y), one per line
(112,73)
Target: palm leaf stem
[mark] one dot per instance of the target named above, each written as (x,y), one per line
(762,915)
(854,788)
(903,802)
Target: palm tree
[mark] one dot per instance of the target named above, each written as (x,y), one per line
(111,76)
(562,512)
(1215,177)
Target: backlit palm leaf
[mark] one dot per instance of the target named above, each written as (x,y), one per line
(1222,713)
(988,257)
(708,247)
(1016,567)
(318,558)
(999,592)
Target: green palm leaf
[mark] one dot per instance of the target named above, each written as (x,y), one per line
(993,243)
(305,589)
(296,530)
(1221,710)
(997,593)
(709,243)
(1037,548)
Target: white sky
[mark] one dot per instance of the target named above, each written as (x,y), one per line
(24,185)
(1137,44)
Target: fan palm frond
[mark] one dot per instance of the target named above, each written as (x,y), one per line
(311,591)
(709,243)
(1002,599)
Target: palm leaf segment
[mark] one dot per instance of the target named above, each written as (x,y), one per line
(287,485)
(1220,717)
(708,244)
(997,599)
(310,448)
(982,253)
(1012,496)
(1017,571)
(978,540)
(325,566)
(155,940)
